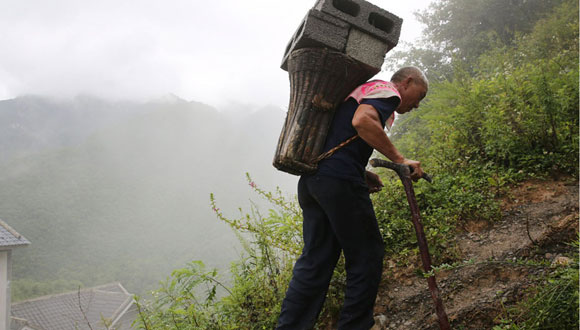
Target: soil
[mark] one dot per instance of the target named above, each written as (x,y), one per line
(539,218)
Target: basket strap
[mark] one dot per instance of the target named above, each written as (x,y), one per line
(333,150)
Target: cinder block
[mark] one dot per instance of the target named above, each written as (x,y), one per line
(366,17)
(356,28)
(318,29)
(365,48)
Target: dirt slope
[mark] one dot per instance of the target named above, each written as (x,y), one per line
(539,217)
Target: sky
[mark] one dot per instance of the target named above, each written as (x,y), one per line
(221,52)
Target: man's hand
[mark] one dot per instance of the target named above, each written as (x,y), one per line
(417,172)
(373,182)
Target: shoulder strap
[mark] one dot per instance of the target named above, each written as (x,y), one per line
(371,90)
(333,150)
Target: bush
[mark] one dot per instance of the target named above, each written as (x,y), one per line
(517,110)
(452,200)
(196,298)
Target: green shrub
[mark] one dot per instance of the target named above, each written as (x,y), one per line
(196,298)
(452,200)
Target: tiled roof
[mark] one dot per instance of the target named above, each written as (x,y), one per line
(76,310)
(9,238)
(20,324)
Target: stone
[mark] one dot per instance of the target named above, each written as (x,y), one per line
(380,322)
(432,319)
(561,261)
(365,48)
(318,29)
(356,28)
(366,17)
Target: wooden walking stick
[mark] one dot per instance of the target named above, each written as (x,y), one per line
(404,172)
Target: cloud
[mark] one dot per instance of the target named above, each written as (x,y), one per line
(214,52)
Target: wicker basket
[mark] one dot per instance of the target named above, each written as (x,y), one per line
(320,79)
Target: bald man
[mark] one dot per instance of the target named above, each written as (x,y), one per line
(337,210)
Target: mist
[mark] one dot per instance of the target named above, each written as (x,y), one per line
(213,52)
(126,198)
(111,186)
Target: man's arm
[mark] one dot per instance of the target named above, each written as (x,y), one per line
(367,123)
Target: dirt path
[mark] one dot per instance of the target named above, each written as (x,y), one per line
(539,217)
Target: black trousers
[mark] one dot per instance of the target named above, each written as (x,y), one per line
(338,216)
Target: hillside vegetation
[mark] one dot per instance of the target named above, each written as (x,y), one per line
(502,108)
(120,192)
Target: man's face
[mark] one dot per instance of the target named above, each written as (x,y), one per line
(412,92)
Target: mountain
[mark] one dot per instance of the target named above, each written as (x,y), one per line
(129,202)
(31,123)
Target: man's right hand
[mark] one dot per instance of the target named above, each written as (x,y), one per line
(417,172)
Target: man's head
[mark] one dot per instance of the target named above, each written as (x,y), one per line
(412,85)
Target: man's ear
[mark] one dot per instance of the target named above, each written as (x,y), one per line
(407,82)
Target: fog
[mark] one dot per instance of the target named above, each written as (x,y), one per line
(214,52)
(120,118)
(128,198)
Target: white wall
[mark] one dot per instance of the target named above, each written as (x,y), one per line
(5,273)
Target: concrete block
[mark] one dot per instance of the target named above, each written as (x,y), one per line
(366,17)
(318,29)
(365,48)
(356,28)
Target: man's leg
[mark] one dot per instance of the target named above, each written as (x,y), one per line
(313,270)
(354,224)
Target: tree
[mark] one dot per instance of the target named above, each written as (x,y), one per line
(461,31)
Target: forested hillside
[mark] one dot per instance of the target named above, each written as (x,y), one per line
(512,99)
(30,124)
(126,197)
(502,108)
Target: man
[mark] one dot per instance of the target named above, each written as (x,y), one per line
(338,213)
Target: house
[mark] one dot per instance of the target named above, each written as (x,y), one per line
(9,239)
(107,306)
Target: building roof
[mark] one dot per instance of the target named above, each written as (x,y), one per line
(20,324)
(76,310)
(9,238)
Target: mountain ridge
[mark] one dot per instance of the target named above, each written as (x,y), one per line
(132,195)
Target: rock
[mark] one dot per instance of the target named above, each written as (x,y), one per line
(382,319)
(432,319)
(380,322)
(561,261)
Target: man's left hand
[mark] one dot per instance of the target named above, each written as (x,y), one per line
(373,182)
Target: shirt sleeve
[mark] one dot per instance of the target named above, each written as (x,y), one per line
(385,107)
